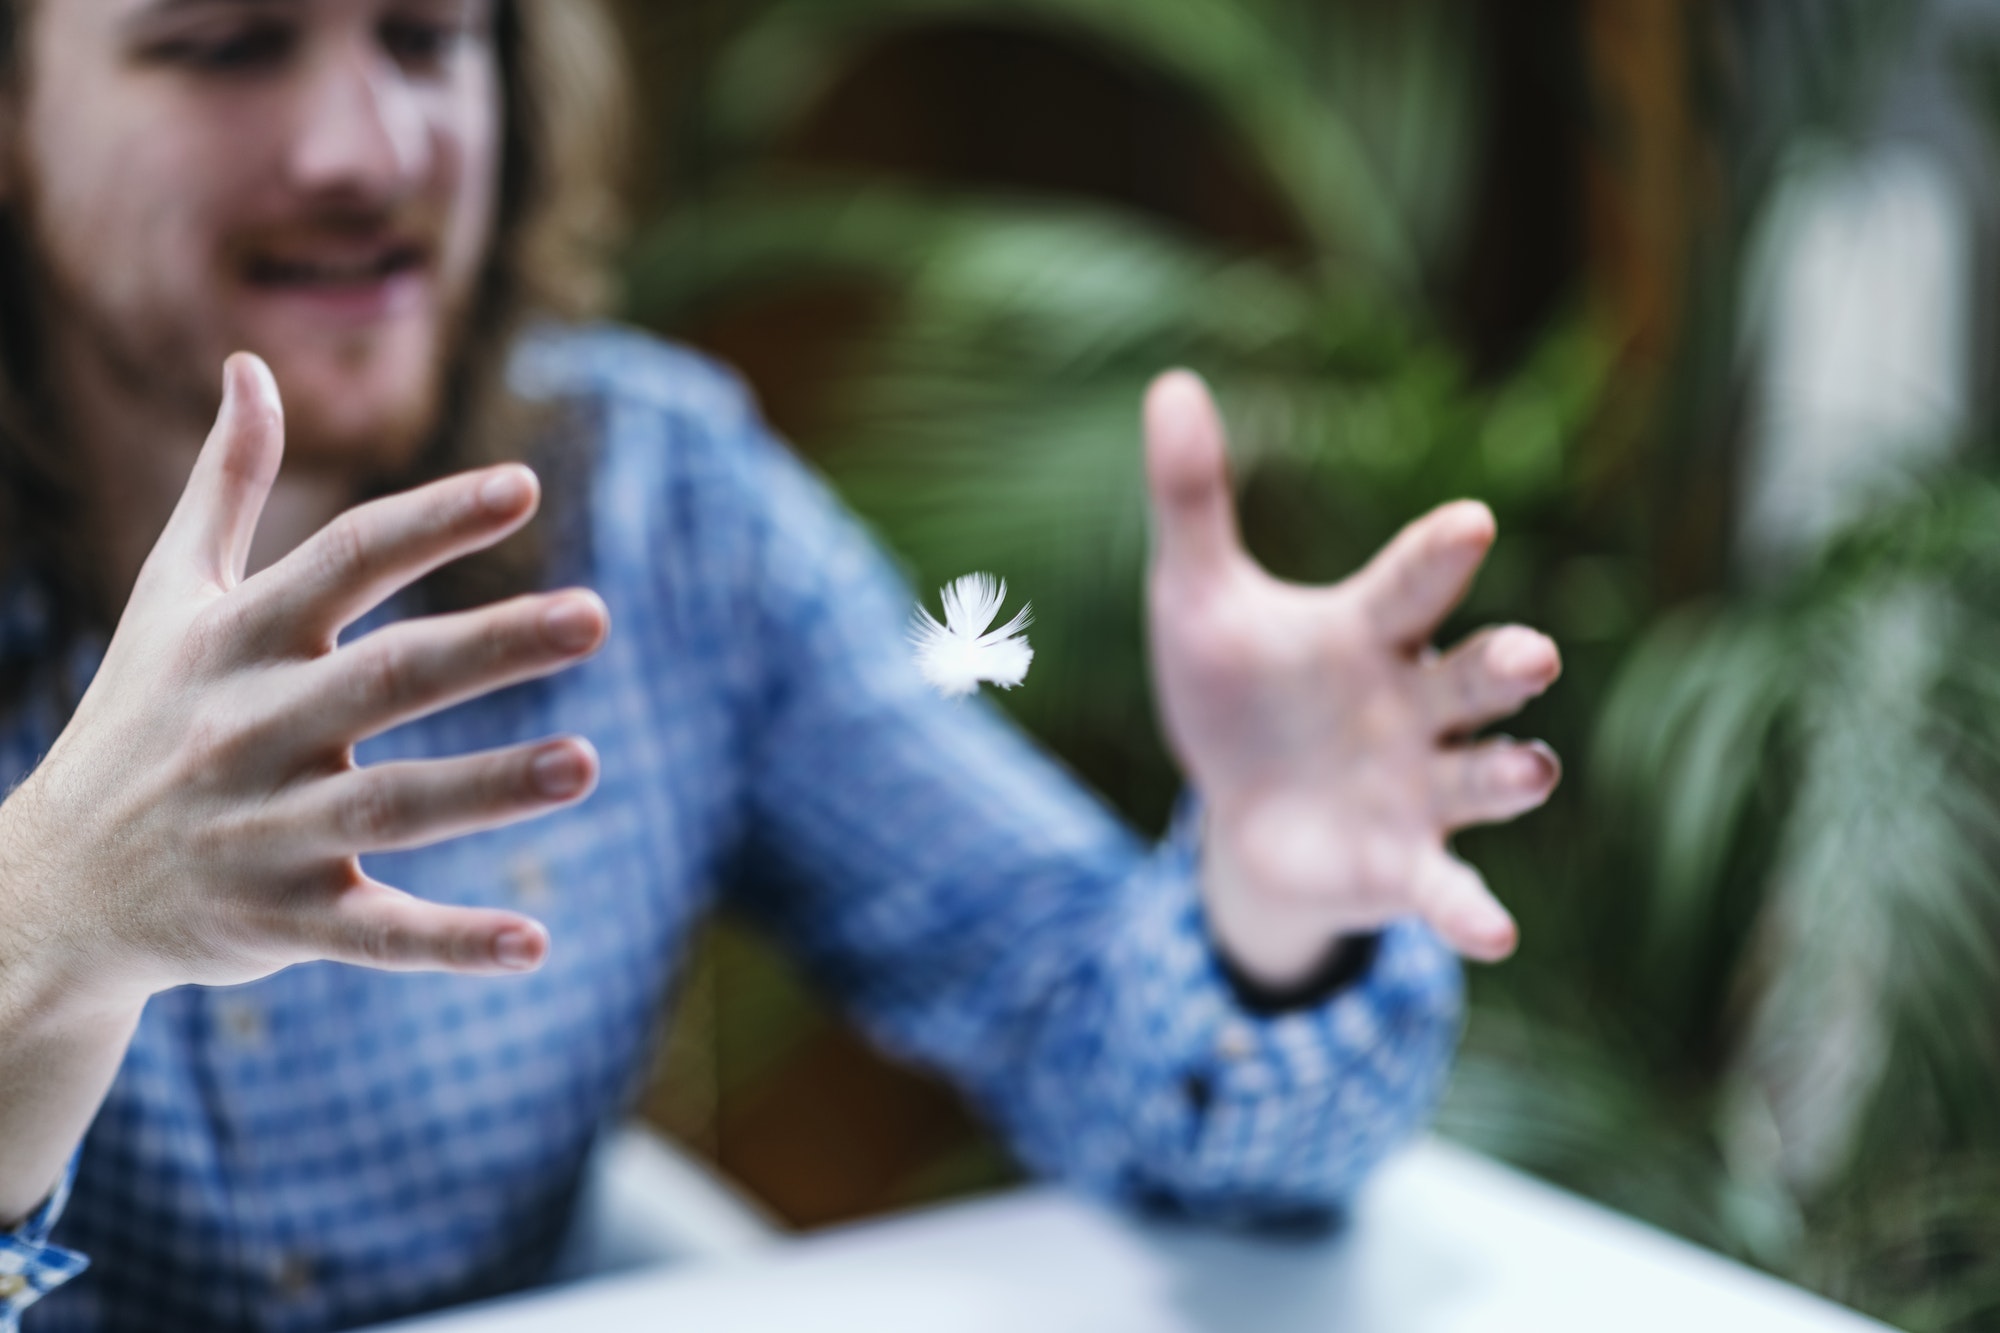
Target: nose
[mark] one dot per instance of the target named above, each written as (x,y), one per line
(361,132)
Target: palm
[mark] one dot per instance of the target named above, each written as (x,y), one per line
(1283,712)
(1325,736)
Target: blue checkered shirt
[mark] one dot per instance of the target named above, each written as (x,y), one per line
(333,1146)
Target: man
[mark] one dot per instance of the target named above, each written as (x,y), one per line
(295,712)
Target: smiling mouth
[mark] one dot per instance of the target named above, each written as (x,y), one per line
(347,271)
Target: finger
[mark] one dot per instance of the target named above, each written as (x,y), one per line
(1413,583)
(369,552)
(1452,897)
(218,511)
(1488,677)
(391,807)
(415,667)
(1187,475)
(1493,781)
(373,925)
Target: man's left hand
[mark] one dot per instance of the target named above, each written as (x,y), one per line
(1331,744)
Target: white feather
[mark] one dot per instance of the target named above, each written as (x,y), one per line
(956,655)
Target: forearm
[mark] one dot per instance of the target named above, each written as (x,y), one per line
(61,1061)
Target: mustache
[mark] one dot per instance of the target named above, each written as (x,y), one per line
(350,226)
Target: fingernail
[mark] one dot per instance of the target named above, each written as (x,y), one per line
(519,949)
(560,771)
(571,624)
(505,491)
(1544,769)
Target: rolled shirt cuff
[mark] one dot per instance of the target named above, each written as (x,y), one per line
(31,1267)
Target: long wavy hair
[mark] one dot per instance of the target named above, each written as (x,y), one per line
(564,103)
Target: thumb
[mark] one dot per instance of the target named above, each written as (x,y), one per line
(1187,476)
(218,512)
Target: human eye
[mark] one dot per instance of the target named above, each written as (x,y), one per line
(240,47)
(423,43)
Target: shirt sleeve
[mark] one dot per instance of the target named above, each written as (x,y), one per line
(982,915)
(30,1267)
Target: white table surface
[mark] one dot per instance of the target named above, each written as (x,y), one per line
(1443,1241)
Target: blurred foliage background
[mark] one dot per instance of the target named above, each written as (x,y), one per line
(1423,249)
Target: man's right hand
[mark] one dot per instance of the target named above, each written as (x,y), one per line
(199,819)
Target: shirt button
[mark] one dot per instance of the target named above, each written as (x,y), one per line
(11,1285)
(242,1023)
(1235,1041)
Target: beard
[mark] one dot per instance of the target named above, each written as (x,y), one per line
(363,404)
(385,441)
(157,363)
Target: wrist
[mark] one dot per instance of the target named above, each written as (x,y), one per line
(1273,940)
(57,967)
(1345,962)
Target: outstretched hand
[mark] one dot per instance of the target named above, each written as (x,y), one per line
(1332,745)
(199,819)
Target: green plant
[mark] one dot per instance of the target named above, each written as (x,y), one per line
(1829,756)
(991,419)
(1752,1000)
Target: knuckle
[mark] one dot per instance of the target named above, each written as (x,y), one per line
(457,503)
(1383,721)
(445,509)
(370,814)
(461,948)
(505,634)
(510,781)
(1462,676)
(1482,789)
(211,842)
(345,550)
(261,419)
(379,941)
(383,674)
(211,743)
(399,941)
(215,634)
